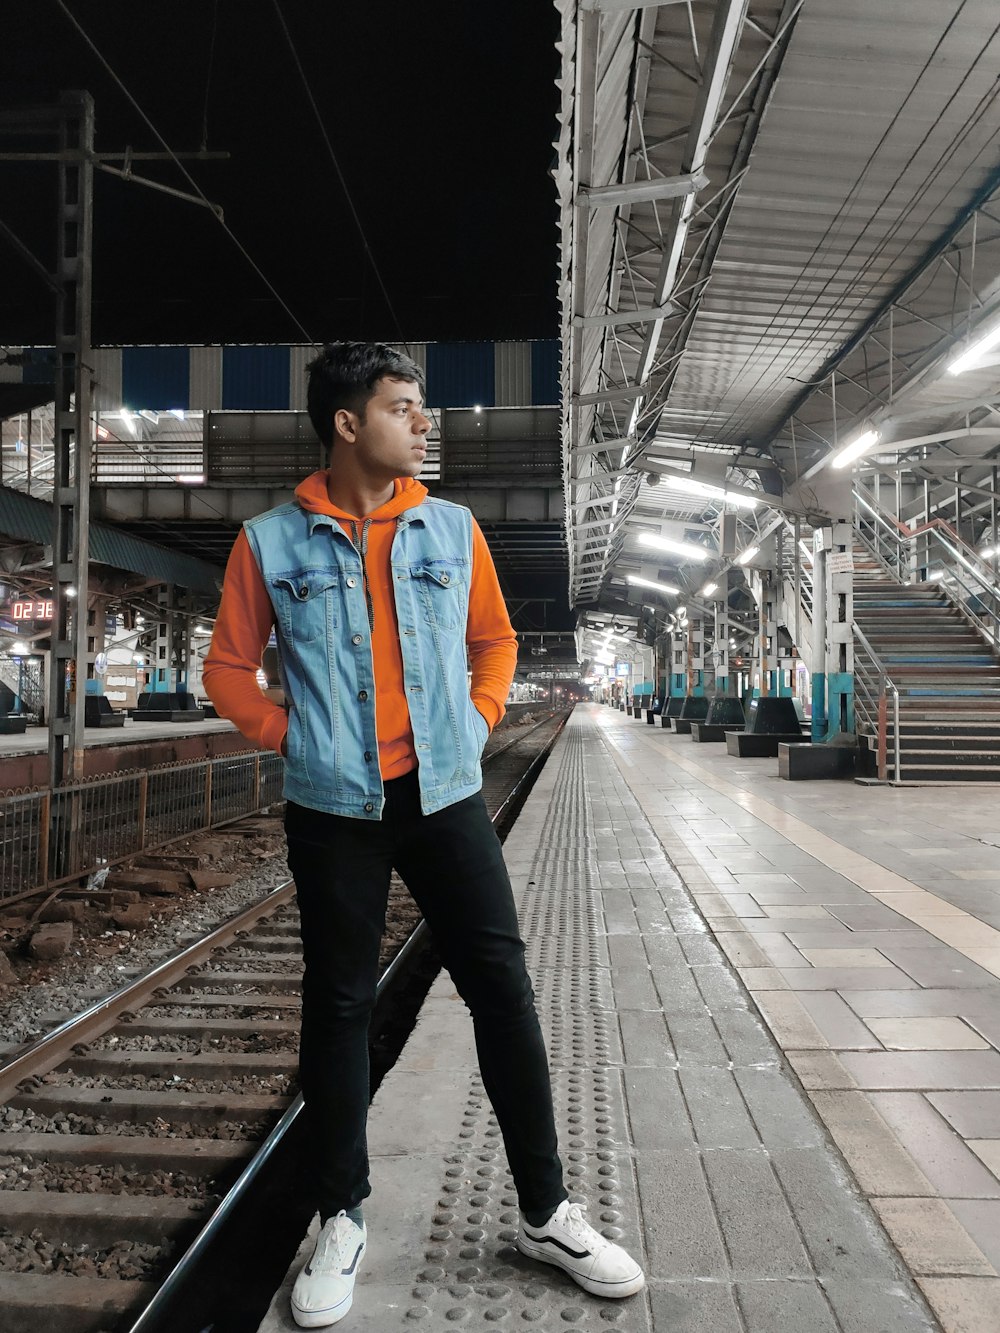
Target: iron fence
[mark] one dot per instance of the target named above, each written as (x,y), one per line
(52,837)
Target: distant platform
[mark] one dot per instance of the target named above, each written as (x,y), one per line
(24,758)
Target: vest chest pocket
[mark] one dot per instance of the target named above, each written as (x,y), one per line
(443,589)
(306,603)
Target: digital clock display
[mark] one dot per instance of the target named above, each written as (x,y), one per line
(31,610)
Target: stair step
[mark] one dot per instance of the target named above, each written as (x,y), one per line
(986,712)
(922,753)
(932,731)
(959,670)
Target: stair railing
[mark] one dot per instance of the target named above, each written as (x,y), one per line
(965,577)
(874,690)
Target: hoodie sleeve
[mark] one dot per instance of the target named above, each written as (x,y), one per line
(489,636)
(242,629)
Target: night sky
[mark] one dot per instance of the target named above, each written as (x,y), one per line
(442,117)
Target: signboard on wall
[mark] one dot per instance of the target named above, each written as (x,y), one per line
(121,686)
(840,562)
(623,668)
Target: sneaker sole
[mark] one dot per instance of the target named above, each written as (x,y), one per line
(333,1314)
(612,1290)
(322,1318)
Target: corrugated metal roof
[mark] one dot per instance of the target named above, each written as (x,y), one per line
(870,148)
(27,519)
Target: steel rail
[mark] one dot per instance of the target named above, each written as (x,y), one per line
(45,1053)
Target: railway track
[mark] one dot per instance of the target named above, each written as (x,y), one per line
(138,1134)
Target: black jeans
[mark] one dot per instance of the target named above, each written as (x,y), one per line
(452,865)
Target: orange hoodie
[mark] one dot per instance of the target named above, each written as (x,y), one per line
(246,618)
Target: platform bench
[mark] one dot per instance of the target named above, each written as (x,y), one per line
(97,712)
(760,745)
(798,762)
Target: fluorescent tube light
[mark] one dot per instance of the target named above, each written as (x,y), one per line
(855,449)
(711,492)
(687,549)
(709,588)
(972,354)
(637,582)
(746,556)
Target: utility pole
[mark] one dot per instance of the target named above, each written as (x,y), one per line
(72,443)
(71,122)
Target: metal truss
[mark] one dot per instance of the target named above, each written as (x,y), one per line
(941,434)
(654,146)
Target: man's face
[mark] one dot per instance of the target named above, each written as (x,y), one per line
(391,440)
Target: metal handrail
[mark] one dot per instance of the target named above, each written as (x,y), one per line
(892,543)
(878,697)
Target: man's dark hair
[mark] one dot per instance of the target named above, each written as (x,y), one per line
(344,375)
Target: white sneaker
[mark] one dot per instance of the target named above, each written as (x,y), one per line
(324,1289)
(569,1241)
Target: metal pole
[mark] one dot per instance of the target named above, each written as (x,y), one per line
(819,646)
(71,481)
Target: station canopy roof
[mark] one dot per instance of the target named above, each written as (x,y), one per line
(779,223)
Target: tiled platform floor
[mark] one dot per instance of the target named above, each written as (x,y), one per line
(865,923)
(690,1129)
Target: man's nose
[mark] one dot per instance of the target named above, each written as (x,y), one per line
(422,424)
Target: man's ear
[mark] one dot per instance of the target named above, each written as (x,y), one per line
(343,424)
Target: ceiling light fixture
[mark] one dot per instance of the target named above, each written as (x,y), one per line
(849,452)
(637,582)
(972,354)
(709,588)
(687,549)
(711,492)
(746,556)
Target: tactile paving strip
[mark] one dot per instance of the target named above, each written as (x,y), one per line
(473,1275)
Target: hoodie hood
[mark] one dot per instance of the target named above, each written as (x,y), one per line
(313,496)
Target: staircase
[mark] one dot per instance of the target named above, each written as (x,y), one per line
(946,673)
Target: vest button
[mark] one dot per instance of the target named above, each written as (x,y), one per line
(351,583)
(304,590)
(368,756)
(445,578)
(356,638)
(368,807)
(363,695)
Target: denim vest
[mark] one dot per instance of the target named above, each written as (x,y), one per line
(314,578)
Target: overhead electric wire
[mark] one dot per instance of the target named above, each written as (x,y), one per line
(832,227)
(185,173)
(848,315)
(340,175)
(840,217)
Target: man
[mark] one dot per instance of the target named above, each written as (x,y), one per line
(380,597)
